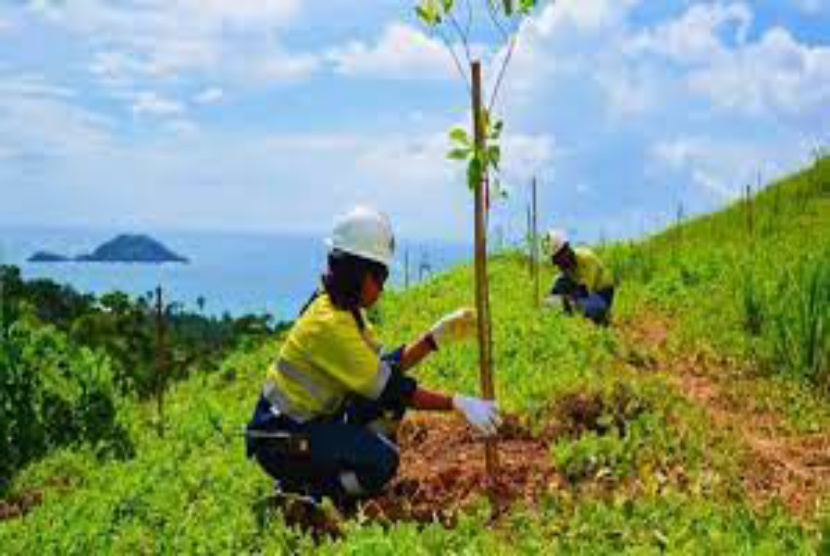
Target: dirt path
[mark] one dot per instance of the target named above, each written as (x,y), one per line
(779,465)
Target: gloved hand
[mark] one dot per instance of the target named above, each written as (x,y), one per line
(483,415)
(455,326)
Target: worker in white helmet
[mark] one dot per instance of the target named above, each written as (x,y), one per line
(324,422)
(584,284)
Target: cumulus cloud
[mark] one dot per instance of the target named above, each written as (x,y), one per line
(211,95)
(402,52)
(150,103)
(775,75)
(698,35)
(42,120)
(160,40)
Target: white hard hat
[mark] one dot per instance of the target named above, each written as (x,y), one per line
(556,240)
(366,233)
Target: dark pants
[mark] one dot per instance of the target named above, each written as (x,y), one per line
(334,447)
(593,305)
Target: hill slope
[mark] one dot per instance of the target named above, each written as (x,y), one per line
(646,434)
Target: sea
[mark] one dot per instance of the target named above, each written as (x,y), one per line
(231,273)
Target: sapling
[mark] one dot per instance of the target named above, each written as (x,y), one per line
(479,149)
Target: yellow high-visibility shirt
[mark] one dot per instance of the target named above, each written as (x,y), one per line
(325,358)
(590,271)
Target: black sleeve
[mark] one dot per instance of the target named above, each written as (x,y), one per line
(563,286)
(400,387)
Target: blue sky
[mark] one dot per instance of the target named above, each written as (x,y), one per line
(275,115)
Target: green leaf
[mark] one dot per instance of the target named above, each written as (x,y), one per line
(526,6)
(474,173)
(428,12)
(448,5)
(508,7)
(459,135)
(459,154)
(495,131)
(494,156)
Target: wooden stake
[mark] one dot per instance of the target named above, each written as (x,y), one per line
(160,360)
(485,348)
(406,269)
(535,249)
(529,242)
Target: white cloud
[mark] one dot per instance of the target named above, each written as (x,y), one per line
(44,120)
(697,36)
(211,95)
(149,103)
(777,74)
(402,52)
(138,44)
(725,166)
(29,85)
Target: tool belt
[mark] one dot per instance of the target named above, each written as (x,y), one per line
(284,442)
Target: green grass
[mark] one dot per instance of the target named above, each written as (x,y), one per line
(666,482)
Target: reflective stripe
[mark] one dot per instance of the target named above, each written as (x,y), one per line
(382,378)
(281,405)
(387,442)
(303,379)
(316,390)
(350,483)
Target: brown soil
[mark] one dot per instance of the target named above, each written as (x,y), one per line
(443,472)
(20,504)
(779,465)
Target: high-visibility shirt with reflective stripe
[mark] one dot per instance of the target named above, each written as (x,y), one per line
(326,357)
(590,272)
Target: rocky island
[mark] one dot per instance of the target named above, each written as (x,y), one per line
(124,248)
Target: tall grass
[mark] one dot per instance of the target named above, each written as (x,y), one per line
(802,328)
(752,304)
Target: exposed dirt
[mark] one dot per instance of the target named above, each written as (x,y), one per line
(443,472)
(20,504)
(794,469)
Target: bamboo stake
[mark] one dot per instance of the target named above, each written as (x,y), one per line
(529,240)
(160,360)
(406,269)
(482,302)
(535,249)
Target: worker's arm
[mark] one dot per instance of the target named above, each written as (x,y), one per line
(416,351)
(453,327)
(482,415)
(430,401)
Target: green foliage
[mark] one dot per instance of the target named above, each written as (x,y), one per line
(802,328)
(54,394)
(647,471)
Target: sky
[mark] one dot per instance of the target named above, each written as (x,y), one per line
(277,115)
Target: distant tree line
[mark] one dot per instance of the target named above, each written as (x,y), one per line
(67,357)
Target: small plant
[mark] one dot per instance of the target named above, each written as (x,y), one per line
(752,304)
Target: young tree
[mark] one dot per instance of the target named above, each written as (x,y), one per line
(479,149)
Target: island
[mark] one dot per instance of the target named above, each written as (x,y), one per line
(47,257)
(125,248)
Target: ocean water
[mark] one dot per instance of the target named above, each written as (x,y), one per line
(235,273)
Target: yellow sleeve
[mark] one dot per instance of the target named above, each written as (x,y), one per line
(346,356)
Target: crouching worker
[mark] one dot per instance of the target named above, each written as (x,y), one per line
(325,422)
(584,284)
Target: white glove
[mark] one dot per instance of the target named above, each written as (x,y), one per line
(483,415)
(456,326)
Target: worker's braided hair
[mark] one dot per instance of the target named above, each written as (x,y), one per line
(343,281)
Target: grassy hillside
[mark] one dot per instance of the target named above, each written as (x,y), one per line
(685,427)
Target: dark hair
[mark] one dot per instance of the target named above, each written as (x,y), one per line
(344,280)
